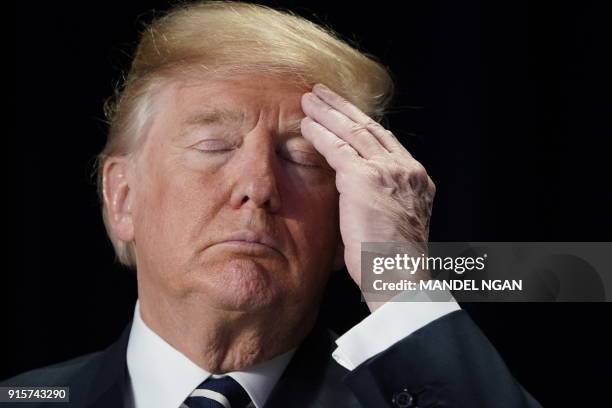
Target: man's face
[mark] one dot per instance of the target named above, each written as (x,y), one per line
(231,206)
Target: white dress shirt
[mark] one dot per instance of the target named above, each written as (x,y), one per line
(162,377)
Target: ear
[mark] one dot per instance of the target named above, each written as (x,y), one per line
(339,256)
(118,197)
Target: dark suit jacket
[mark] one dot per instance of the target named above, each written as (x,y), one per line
(448,363)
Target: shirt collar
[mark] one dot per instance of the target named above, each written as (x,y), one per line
(161,376)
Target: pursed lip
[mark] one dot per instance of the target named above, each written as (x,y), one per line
(253,237)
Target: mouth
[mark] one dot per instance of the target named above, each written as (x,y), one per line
(252,240)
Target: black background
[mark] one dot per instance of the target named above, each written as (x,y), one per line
(506,104)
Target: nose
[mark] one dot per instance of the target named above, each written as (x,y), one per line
(256,183)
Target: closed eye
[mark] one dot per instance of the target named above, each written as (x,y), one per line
(212,146)
(301,158)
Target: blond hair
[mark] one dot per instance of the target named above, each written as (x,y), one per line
(221,38)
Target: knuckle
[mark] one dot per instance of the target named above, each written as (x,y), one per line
(419,168)
(357,129)
(415,179)
(340,144)
(432,186)
(375,174)
(375,126)
(344,102)
(396,171)
(418,177)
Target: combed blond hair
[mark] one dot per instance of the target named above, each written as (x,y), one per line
(221,38)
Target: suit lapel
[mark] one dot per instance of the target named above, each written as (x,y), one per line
(313,378)
(107,388)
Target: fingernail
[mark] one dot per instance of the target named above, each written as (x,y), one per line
(310,96)
(321,87)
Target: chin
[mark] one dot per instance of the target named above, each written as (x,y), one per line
(242,284)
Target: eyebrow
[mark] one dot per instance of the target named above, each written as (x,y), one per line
(214,116)
(293,127)
(219,116)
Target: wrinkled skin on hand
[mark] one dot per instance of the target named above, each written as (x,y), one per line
(386,195)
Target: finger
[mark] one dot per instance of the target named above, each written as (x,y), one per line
(384,136)
(338,153)
(355,134)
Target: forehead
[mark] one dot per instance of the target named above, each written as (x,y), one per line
(238,102)
(237,95)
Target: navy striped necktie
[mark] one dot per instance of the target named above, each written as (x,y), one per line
(222,392)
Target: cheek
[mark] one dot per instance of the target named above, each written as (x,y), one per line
(314,220)
(176,204)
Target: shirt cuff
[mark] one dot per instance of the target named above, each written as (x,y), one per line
(390,323)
